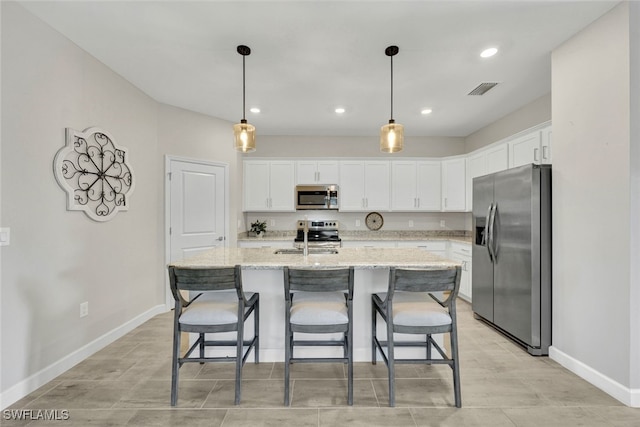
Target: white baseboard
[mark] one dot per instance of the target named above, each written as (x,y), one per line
(40,378)
(626,395)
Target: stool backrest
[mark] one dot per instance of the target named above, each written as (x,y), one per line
(318,280)
(423,280)
(204,279)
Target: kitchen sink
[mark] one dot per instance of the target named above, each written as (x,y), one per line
(312,251)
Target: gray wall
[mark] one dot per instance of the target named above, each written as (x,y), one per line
(187,134)
(595,201)
(352,146)
(58,259)
(534,113)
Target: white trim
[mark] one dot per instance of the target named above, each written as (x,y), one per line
(167,212)
(23,388)
(626,395)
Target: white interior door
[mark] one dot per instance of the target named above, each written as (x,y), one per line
(197,208)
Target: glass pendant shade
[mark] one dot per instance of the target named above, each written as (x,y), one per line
(392,137)
(244,135)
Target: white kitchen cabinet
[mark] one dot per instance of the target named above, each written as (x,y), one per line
(268,186)
(415,185)
(546,146)
(534,147)
(317,172)
(525,150)
(264,243)
(368,244)
(497,158)
(438,247)
(483,162)
(461,252)
(364,185)
(454,184)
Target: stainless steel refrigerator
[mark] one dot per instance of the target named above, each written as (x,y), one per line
(511,275)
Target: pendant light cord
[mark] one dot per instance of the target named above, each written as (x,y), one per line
(391,87)
(243,90)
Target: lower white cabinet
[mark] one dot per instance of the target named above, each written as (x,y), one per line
(438,247)
(263,243)
(461,252)
(369,244)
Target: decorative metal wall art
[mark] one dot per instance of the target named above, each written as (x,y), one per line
(94,173)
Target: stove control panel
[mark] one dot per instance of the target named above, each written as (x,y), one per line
(318,224)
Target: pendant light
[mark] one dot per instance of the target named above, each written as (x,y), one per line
(392,134)
(244,133)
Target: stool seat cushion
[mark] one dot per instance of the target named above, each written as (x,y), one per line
(213,308)
(417,309)
(319,308)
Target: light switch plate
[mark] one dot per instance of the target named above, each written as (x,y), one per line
(5,236)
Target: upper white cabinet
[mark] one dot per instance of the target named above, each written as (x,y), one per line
(534,147)
(364,185)
(415,185)
(546,145)
(483,162)
(497,158)
(454,184)
(269,185)
(317,172)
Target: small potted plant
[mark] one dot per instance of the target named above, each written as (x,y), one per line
(258,228)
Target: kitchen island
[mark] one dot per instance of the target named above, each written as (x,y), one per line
(262,271)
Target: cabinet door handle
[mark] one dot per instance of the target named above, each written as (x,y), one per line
(535,155)
(545,155)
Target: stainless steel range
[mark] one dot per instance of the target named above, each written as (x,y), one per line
(321,234)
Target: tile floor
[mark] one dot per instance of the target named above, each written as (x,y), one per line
(128,384)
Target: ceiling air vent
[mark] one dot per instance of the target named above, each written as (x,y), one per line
(482,88)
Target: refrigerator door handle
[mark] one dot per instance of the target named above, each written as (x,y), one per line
(492,230)
(488,230)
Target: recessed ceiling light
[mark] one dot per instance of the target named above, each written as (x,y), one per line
(487,53)
(254,110)
(340,110)
(426,111)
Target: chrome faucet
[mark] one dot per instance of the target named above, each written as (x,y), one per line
(305,250)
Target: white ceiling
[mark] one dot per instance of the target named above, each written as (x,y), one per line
(308,57)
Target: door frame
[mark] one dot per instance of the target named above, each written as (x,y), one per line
(167,212)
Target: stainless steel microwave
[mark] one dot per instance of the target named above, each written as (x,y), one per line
(316,197)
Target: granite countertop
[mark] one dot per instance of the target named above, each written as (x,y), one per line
(361,258)
(353,235)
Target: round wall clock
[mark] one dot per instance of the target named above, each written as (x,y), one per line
(374,221)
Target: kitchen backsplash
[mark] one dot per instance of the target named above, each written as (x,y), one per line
(354,221)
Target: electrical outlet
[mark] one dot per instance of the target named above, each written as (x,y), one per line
(357,223)
(5,236)
(442,223)
(84,309)
(410,223)
(272,222)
